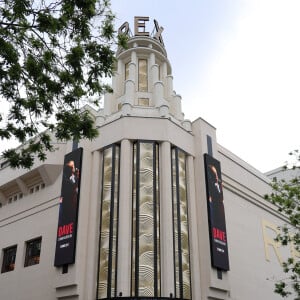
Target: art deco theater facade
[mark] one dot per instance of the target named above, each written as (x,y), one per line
(154,208)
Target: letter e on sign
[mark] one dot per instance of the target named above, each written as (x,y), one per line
(140,26)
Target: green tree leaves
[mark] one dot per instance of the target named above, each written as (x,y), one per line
(286,196)
(53,55)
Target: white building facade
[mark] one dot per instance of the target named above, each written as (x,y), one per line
(143,226)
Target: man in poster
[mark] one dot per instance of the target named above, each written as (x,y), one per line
(68,201)
(216,214)
(68,209)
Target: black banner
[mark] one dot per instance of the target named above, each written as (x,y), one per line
(68,209)
(216,214)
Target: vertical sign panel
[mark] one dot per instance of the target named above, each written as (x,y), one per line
(68,209)
(216,214)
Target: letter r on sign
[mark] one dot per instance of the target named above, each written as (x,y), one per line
(269,242)
(124,29)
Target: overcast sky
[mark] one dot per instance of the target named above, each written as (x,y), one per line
(236,64)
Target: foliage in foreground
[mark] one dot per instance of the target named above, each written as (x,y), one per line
(286,196)
(53,55)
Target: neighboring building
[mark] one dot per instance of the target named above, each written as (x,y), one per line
(151,221)
(283,173)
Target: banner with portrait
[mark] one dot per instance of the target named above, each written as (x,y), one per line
(68,209)
(216,214)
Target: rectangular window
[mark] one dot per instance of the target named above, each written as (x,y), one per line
(143,101)
(9,258)
(143,75)
(33,251)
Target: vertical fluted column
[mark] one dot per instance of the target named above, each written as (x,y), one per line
(158,88)
(128,101)
(169,87)
(170,93)
(155,83)
(164,74)
(125,216)
(167,261)
(153,74)
(117,80)
(153,69)
(107,104)
(194,247)
(177,107)
(132,67)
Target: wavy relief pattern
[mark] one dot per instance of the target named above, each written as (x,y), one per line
(180,223)
(133,241)
(184,227)
(157,219)
(146,221)
(105,221)
(115,222)
(109,184)
(175,223)
(146,169)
